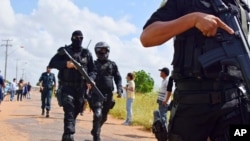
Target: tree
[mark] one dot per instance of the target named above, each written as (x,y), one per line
(144,83)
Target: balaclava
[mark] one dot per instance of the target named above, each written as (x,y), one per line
(76,39)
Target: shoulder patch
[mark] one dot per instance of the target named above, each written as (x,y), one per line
(163,3)
(205,3)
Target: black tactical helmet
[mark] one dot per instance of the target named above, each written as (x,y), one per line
(102,50)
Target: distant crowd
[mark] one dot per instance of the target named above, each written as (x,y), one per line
(20,90)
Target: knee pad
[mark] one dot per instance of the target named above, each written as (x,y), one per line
(98,113)
(67,99)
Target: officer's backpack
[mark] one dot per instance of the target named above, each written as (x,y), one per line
(159,127)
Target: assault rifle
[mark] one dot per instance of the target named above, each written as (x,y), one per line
(234,50)
(85,75)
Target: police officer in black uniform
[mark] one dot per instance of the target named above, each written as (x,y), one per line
(207,100)
(72,85)
(107,72)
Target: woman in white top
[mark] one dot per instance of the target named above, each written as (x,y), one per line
(130,90)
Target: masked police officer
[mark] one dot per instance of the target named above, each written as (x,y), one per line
(72,85)
(107,72)
(207,100)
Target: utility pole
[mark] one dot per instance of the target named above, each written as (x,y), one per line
(6,56)
(16,68)
(22,73)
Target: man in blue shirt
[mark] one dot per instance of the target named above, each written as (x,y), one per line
(47,82)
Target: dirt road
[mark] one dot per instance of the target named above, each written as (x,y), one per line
(22,121)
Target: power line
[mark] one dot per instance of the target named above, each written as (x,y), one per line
(6,56)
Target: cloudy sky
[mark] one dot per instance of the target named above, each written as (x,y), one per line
(35,29)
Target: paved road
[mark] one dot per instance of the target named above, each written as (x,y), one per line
(23,121)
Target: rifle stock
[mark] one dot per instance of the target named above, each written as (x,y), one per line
(235,48)
(85,75)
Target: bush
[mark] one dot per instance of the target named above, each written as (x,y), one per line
(144,83)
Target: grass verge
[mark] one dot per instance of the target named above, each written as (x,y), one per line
(143,107)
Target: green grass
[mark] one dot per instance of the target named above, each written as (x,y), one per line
(143,107)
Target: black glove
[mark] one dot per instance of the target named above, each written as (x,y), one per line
(119,95)
(119,92)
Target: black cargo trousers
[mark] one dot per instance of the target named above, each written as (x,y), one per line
(72,102)
(100,109)
(206,109)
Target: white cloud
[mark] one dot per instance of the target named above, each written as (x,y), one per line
(7,18)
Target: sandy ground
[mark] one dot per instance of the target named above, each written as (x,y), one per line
(22,121)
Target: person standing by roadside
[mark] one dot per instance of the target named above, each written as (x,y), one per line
(130,96)
(25,91)
(19,92)
(164,94)
(28,90)
(47,82)
(160,123)
(13,86)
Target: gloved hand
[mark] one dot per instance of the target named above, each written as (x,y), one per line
(119,93)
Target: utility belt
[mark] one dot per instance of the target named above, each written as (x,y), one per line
(205,92)
(71,84)
(195,84)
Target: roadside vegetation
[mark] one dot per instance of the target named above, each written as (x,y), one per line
(143,107)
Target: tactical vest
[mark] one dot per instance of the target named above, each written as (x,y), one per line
(104,78)
(73,75)
(190,45)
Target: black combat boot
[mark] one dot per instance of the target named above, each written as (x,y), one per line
(42,111)
(67,137)
(96,137)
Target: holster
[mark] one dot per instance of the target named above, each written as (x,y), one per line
(59,96)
